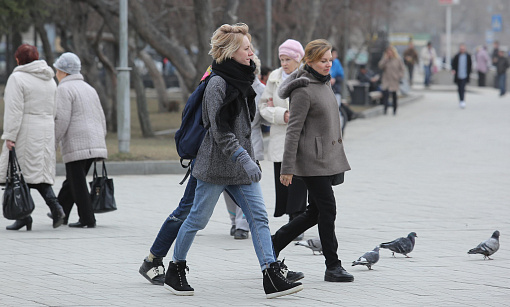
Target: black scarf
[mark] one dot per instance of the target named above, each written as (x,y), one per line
(318,76)
(239,79)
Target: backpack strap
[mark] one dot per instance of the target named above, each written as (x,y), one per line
(188,172)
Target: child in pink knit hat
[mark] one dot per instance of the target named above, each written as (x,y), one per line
(293,49)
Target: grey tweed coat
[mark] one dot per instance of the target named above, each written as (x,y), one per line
(313,143)
(215,163)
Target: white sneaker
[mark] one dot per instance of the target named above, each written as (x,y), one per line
(462,104)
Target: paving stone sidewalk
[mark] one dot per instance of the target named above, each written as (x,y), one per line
(433,168)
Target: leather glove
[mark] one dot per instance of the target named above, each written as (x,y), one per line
(250,167)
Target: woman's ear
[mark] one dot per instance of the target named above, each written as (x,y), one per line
(17,61)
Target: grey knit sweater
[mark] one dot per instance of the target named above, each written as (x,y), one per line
(215,162)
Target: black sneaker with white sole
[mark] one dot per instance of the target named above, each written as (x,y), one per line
(175,280)
(290,275)
(153,271)
(275,284)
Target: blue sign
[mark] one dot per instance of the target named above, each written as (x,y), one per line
(497,23)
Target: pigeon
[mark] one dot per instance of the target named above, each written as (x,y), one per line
(313,244)
(368,258)
(401,245)
(487,247)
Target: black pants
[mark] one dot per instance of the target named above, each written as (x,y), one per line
(386,96)
(322,211)
(410,68)
(290,200)
(481,79)
(461,88)
(75,191)
(47,194)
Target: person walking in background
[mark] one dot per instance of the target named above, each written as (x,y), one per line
(483,63)
(495,57)
(264,74)
(461,67)
(392,72)
(29,125)
(337,76)
(428,58)
(314,151)
(240,228)
(80,130)
(502,65)
(289,200)
(410,59)
(225,161)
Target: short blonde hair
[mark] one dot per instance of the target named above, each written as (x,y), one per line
(315,49)
(227,39)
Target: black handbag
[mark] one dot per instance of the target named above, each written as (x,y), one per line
(18,202)
(102,192)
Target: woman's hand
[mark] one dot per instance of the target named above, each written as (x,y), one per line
(10,144)
(286,179)
(270,103)
(286,117)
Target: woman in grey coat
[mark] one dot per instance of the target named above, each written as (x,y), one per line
(225,161)
(314,151)
(80,129)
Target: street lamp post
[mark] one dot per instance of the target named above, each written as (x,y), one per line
(123,99)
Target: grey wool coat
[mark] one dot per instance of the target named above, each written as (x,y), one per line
(313,143)
(80,125)
(215,162)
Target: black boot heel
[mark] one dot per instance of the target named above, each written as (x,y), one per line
(21,223)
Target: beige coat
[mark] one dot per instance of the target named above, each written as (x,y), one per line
(80,126)
(29,120)
(274,115)
(313,144)
(393,71)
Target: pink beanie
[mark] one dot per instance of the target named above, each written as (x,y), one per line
(293,49)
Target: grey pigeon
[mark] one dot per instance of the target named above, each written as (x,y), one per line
(313,244)
(487,247)
(368,258)
(401,245)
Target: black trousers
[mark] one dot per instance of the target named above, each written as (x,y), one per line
(290,200)
(481,79)
(386,96)
(461,88)
(75,191)
(322,211)
(46,192)
(410,68)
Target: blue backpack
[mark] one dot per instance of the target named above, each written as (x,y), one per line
(191,133)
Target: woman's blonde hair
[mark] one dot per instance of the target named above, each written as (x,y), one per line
(393,51)
(226,40)
(315,49)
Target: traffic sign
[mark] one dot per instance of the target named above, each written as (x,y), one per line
(497,23)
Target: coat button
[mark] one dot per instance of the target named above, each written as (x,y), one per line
(333,143)
(339,141)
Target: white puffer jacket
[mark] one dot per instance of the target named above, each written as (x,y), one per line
(274,115)
(80,126)
(29,121)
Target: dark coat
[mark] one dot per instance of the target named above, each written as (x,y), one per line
(455,66)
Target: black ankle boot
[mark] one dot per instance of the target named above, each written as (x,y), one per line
(65,218)
(27,221)
(57,214)
(175,279)
(276,285)
(338,274)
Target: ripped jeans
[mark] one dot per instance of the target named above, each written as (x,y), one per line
(173,222)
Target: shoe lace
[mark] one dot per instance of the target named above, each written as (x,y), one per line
(283,268)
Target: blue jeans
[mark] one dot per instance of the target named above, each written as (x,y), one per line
(502,84)
(173,222)
(428,73)
(248,197)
